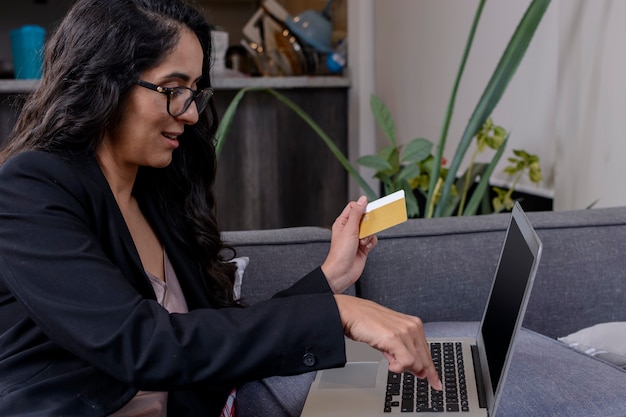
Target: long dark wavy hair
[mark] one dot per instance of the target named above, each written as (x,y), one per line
(90,64)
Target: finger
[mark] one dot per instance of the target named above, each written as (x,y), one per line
(357,210)
(404,356)
(423,370)
(342,219)
(433,379)
(428,370)
(369,242)
(432,376)
(420,362)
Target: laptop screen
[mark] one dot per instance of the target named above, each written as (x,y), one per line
(505,302)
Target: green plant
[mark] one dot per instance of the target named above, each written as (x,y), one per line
(439,185)
(488,136)
(398,167)
(494,90)
(521,163)
(409,168)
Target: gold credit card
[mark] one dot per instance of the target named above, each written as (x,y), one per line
(383,213)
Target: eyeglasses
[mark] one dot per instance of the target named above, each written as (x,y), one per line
(179,98)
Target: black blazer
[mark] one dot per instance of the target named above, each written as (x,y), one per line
(81,331)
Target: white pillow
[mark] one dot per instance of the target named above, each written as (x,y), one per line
(241,263)
(606,341)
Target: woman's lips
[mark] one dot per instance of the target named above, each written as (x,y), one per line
(171,138)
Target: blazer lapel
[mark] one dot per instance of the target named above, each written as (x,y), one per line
(112,230)
(189,277)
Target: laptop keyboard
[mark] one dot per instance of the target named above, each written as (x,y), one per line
(408,394)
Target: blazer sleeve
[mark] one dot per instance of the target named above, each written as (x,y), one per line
(313,283)
(53,261)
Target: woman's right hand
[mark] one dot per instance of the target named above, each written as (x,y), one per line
(398,336)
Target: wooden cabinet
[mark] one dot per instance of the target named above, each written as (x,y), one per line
(274,170)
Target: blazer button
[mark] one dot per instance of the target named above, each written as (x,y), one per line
(309,359)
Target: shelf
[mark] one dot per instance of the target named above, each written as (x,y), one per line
(230,83)
(221,83)
(16,86)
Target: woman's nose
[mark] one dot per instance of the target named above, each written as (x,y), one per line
(190,116)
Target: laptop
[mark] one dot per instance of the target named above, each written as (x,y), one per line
(473,370)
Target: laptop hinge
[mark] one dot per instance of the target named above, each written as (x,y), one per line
(480,382)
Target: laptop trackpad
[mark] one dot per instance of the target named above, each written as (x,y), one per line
(353,375)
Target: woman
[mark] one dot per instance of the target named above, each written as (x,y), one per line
(115,291)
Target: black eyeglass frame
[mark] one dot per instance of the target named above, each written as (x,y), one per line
(169,91)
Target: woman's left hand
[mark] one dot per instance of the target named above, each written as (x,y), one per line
(346,258)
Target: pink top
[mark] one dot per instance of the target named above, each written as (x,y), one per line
(169,295)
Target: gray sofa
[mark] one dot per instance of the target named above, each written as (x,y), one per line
(441,270)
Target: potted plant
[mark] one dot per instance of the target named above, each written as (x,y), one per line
(409,167)
(441,192)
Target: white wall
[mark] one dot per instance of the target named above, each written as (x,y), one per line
(419,46)
(565,103)
(591,104)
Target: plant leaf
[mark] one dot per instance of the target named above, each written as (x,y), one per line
(227,120)
(503,73)
(375,161)
(391,155)
(412,208)
(417,150)
(383,118)
(478,170)
(451,206)
(434,177)
(481,188)
(408,172)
